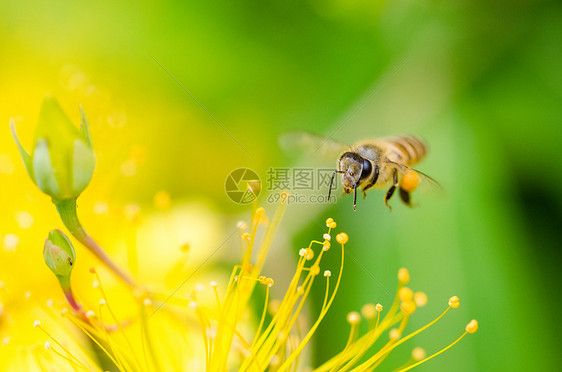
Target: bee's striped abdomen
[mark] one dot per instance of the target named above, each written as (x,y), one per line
(409,149)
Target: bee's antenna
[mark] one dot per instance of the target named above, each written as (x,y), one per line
(355,199)
(332,182)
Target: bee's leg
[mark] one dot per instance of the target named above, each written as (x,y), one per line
(405,196)
(355,199)
(390,191)
(372,183)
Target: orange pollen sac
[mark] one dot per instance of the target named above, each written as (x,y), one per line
(260,210)
(454,302)
(329,221)
(410,181)
(342,238)
(472,326)
(262,279)
(309,254)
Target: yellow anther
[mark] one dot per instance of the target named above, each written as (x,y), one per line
(315,270)
(378,307)
(246,236)
(213,284)
(275,360)
(260,210)
(394,334)
(332,225)
(420,299)
(274,306)
(326,245)
(241,225)
(262,279)
(353,318)
(90,314)
(403,275)
(192,305)
(92,270)
(102,302)
(472,326)
(405,294)
(309,254)
(369,311)
(327,237)
(162,200)
(418,353)
(147,302)
(454,302)
(329,221)
(47,345)
(269,282)
(327,273)
(36,323)
(302,252)
(342,238)
(408,307)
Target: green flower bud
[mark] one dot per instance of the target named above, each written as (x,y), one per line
(59,254)
(62,161)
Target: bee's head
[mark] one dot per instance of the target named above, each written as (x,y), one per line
(353,169)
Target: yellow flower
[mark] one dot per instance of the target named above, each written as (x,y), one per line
(221,314)
(213,328)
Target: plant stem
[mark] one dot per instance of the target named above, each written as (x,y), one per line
(67,290)
(68,215)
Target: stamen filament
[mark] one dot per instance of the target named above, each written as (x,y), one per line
(371,360)
(317,323)
(60,345)
(434,355)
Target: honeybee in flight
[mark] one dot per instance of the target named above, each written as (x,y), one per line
(375,163)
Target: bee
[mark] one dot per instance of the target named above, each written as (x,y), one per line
(384,162)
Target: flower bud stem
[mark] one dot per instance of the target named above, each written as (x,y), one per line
(68,215)
(67,290)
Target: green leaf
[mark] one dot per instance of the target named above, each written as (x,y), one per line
(24,155)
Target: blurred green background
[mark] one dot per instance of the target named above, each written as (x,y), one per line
(481,81)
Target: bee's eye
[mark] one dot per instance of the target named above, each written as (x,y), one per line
(366,172)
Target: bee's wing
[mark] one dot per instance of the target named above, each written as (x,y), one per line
(311,145)
(426,182)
